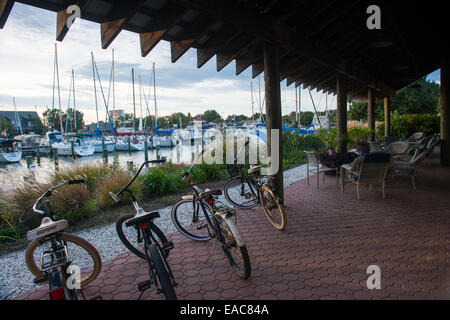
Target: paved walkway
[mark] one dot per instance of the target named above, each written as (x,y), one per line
(330,240)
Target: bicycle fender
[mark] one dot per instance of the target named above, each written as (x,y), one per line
(234,229)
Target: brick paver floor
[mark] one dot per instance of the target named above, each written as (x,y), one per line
(330,240)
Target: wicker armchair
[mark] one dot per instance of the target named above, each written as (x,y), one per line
(375,146)
(416,136)
(368,169)
(409,168)
(397,148)
(313,165)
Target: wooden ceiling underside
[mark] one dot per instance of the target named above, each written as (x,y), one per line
(316,38)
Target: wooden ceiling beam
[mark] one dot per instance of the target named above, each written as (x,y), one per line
(61,20)
(242,64)
(149,40)
(223,59)
(257,69)
(110,30)
(234,12)
(5,10)
(226,35)
(178,48)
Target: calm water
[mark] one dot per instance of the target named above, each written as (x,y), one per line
(11,174)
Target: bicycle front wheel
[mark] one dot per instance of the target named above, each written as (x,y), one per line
(239,193)
(163,272)
(188,218)
(234,248)
(272,207)
(132,236)
(80,253)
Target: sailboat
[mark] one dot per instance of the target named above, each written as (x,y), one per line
(73,145)
(125,141)
(162,138)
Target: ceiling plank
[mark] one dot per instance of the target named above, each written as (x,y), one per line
(257,69)
(5,9)
(242,64)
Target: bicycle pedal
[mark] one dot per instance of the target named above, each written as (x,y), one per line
(144,285)
(203,226)
(168,246)
(39,280)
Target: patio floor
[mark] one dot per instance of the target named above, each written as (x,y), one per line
(330,240)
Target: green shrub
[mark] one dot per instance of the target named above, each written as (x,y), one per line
(294,144)
(113,181)
(404,126)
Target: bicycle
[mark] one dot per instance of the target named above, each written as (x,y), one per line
(217,223)
(139,227)
(249,189)
(52,252)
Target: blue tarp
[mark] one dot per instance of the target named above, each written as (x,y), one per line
(157,131)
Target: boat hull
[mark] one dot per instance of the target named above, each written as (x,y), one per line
(110,146)
(79,151)
(10,157)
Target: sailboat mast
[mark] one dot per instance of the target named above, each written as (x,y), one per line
(134,99)
(253,110)
(114,97)
(95,87)
(260,103)
(59,91)
(74,105)
(17,116)
(154,97)
(299,102)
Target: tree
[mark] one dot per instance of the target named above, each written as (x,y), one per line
(420,97)
(5,124)
(52,119)
(211,116)
(306,117)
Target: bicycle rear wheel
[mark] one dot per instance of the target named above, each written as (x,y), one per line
(272,207)
(132,236)
(188,218)
(234,248)
(163,272)
(238,193)
(80,252)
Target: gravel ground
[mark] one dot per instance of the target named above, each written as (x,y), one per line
(16,279)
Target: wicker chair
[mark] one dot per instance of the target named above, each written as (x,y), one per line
(415,137)
(375,146)
(368,169)
(409,168)
(397,148)
(313,165)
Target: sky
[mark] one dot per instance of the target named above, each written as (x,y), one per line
(27,46)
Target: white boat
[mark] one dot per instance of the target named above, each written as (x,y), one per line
(135,144)
(190,134)
(98,145)
(10,150)
(65,149)
(163,141)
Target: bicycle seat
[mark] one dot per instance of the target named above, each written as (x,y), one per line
(208,193)
(48,226)
(254,169)
(141,217)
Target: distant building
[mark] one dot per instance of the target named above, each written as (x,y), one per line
(28,120)
(116,114)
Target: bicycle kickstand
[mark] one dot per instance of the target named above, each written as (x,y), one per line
(210,251)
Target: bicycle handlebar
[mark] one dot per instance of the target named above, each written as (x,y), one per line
(115,197)
(187,173)
(49,193)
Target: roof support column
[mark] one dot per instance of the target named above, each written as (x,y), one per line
(445,112)
(273,112)
(371,113)
(341,112)
(387,116)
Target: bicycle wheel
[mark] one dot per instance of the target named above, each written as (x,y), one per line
(272,207)
(80,252)
(234,248)
(163,272)
(188,218)
(132,236)
(238,193)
